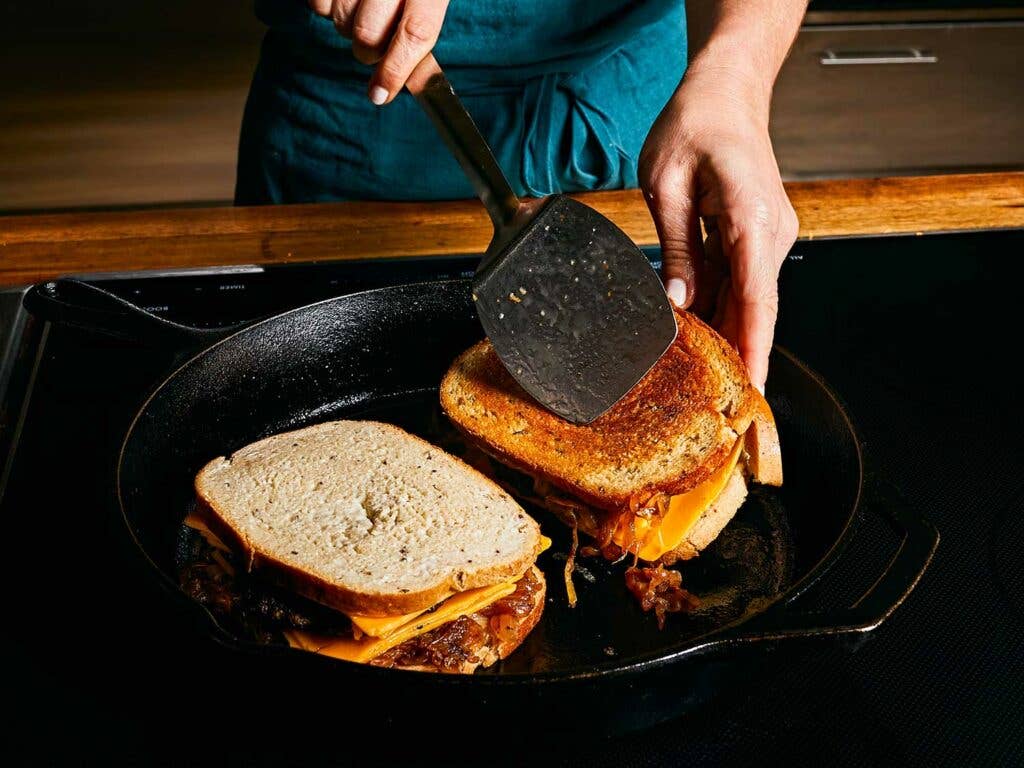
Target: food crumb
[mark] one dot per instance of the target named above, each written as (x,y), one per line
(513,298)
(609,651)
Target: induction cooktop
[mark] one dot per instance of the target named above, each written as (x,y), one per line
(918,335)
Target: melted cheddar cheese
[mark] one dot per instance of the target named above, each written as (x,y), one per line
(367,648)
(684,510)
(381,634)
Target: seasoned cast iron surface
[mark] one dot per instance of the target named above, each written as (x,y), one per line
(381,354)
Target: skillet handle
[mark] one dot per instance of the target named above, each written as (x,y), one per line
(86,306)
(919,539)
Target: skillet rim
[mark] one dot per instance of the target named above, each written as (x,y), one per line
(723,637)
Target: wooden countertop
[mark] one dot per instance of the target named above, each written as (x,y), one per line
(34,248)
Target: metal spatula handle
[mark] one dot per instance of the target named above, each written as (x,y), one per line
(437,97)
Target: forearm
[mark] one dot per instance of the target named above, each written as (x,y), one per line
(747,38)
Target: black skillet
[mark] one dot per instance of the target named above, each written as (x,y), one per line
(603,666)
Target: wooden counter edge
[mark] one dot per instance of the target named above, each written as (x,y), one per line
(39,247)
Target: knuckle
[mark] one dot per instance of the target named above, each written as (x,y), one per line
(676,249)
(790,225)
(366,36)
(419,30)
(670,181)
(391,74)
(340,13)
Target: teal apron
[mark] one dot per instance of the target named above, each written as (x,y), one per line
(564,91)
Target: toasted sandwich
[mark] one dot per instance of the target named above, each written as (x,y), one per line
(428,564)
(660,474)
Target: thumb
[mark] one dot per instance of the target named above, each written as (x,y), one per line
(682,248)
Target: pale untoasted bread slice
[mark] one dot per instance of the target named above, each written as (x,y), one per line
(365,518)
(670,433)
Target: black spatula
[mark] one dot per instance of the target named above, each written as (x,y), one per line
(573,308)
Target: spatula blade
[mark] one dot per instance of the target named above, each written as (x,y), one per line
(574,310)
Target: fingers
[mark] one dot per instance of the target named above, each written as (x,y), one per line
(396,33)
(757,234)
(670,197)
(372,26)
(341,12)
(414,38)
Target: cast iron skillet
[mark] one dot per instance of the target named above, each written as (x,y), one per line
(603,665)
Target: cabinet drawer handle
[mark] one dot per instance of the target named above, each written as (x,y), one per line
(831,58)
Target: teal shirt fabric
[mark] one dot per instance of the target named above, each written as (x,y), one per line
(563,90)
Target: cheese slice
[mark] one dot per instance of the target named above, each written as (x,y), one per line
(346,648)
(383,634)
(684,510)
(384,627)
(193,521)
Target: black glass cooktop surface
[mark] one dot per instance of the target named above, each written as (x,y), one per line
(917,334)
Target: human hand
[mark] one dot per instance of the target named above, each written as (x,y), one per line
(709,157)
(393,34)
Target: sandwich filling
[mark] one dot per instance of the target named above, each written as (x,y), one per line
(453,630)
(379,635)
(651,527)
(663,522)
(441,636)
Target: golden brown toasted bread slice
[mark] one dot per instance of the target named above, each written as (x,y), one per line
(668,434)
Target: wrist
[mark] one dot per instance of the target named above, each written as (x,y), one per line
(724,73)
(744,42)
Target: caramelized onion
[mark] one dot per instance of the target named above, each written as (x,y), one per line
(570,563)
(503,627)
(660,590)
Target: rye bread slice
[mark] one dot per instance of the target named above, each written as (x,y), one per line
(365,518)
(669,433)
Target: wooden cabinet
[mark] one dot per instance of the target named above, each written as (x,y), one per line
(883,99)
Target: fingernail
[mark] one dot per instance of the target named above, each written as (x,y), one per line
(676,290)
(378,95)
(760,388)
